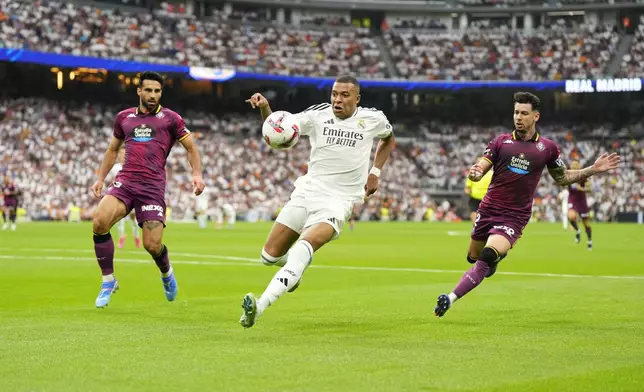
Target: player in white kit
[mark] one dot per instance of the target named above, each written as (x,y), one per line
(201,208)
(341,136)
(563,198)
(121,224)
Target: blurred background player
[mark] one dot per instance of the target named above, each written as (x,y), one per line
(148,133)
(341,136)
(563,198)
(131,218)
(10,197)
(476,191)
(201,208)
(518,159)
(229,215)
(578,206)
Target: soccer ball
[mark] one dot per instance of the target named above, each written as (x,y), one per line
(281,130)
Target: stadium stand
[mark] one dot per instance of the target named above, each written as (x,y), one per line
(551,53)
(235,40)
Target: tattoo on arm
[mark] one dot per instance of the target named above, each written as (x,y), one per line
(151,225)
(563,176)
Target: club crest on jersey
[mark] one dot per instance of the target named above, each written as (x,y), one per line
(540,146)
(520,165)
(362,124)
(143,133)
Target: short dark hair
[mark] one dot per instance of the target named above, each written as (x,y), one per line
(348,79)
(524,97)
(149,75)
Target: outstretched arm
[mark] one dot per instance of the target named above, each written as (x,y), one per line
(258,101)
(195,163)
(564,176)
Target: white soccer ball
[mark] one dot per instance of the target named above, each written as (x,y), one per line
(281,130)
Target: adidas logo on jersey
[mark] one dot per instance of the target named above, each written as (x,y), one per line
(329,121)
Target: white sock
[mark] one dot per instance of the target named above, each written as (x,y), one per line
(166,274)
(270,260)
(299,258)
(121,226)
(452,297)
(135,230)
(108,278)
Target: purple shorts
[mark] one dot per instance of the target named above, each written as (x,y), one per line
(581,208)
(488,223)
(10,202)
(148,206)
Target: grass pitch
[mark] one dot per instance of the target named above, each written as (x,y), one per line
(555,316)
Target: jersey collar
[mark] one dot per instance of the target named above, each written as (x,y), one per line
(535,137)
(155,111)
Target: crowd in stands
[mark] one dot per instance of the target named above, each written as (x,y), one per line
(633,61)
(235,40)
(53,151)
(549,53)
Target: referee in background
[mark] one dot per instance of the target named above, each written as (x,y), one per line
(476,191)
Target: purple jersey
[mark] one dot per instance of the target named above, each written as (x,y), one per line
(148,138)
(9,193)
(518,165)
(577,197)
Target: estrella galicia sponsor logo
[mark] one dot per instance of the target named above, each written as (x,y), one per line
(143,133)
(151,207)
(520,165)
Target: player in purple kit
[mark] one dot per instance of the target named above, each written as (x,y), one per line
(148,132)
(10,194)
(578,206)
(518,158)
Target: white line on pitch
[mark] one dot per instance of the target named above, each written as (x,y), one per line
(254,262)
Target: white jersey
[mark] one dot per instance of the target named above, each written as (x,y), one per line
(115,170)
(340,150)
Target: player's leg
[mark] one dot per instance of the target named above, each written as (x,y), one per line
(153,244)
(150,211)
(589,232)
(476,246)
(281,238)
(572,218)
(135,230)
(564,214)
(12,216)
(232,218)
(286,279)
(121,228)
(5,218)
(109,211)
(321,226)
(499,239)
(496,246)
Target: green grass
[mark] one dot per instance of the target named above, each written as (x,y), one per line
(344,329)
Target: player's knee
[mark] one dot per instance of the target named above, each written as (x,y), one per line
(268,257)
(489,256)
(152,245)
(100,224)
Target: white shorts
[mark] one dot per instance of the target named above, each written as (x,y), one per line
(303,211)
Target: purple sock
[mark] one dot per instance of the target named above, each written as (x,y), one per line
(472,278)
(104,249)
(589,233)
(163,261)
